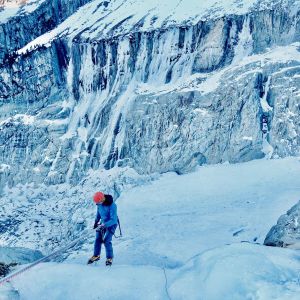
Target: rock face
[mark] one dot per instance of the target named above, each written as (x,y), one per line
(29,22)
(4,269)
(100,90)
(286,233)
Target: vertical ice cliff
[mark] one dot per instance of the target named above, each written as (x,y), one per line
(117,85)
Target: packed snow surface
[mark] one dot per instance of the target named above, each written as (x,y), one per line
(195,236)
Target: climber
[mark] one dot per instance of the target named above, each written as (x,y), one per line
(105,224)
(264,127)
(87,119)
(264,119)
(264,124)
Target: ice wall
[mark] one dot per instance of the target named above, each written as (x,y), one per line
(165,99)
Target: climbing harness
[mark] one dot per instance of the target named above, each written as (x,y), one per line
(104,230)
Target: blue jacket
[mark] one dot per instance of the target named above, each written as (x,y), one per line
(107,212)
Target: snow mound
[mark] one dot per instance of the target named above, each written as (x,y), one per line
(239,271)
(77,282)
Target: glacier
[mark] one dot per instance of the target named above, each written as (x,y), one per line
(112,94)
(148,90)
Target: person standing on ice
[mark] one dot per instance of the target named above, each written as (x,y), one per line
(105,224)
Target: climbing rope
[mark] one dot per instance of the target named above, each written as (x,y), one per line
(51,255)
(166,284)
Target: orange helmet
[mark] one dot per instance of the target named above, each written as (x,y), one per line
(98,197)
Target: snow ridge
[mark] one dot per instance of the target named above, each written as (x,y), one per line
(112,18)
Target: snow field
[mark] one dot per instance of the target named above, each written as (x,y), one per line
(195,236)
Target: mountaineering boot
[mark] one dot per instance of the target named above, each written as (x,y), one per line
(109,261)
(93,259)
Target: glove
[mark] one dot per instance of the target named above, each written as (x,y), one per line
(95,225)
(101,226)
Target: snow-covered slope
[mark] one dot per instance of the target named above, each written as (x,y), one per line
(145,85)
(12,8)
(239,271)
(24,20)
(103,19)
(45,218)
(195,236)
